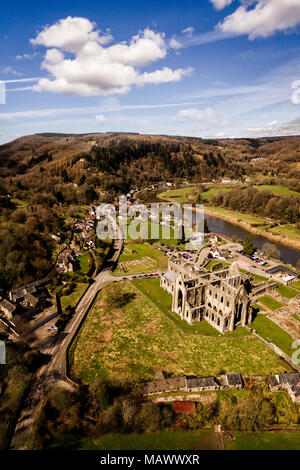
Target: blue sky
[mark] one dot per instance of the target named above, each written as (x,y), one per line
(209,68)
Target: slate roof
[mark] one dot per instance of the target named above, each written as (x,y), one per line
(289,379)
(173,383)
(202,382)
(234,379)
(281,268)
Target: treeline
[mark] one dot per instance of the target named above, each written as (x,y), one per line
(285,209)
(15,377)
(126,163)
(117,407)
(25,244)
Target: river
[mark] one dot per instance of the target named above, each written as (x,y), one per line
(287,255)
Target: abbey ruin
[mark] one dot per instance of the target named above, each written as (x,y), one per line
(219,297)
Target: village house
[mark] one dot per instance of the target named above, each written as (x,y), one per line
(65,261)
(282,274)
(289,382)
(232,380)
(7,308)
(164,383)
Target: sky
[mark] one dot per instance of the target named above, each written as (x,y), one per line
(205,68)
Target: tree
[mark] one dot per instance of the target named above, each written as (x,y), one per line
(252,412)
(271,250)
(249,247)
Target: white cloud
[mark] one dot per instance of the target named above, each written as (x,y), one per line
(195,114)
(220,4)
(101,118)
(189,31)
(262,20)
(174,44)
(274,128)
(8,70)
(26,56)
(80,64)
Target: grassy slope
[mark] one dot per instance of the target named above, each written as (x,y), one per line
(278,190)
(138,340)
(272,332)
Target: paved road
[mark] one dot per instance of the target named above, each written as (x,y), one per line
(55,369)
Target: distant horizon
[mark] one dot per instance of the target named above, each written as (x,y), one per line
(74,134)
(212,69)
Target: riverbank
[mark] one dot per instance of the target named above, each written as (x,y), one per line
(290,243)
(247,222)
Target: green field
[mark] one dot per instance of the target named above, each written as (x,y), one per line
(85,263)
(296,285)
(163,300)
(278,190)
(136,340)
(269,302)
(73,298)
(189,193)
(194,440)
(267,441)
(286,231)
(236,216)
(139,258)
(286,291)
(181,195)
(273,333)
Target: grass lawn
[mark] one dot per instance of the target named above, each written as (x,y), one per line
(272,332)
(85,263)
(188,194)
(267,441)
(286,291)
(270,303)
(162,440)
(141,257)
(193,440)
(213,191)
(181,195)
(137,340)
(163,300)
(237,216)
(296,317)
(278,190)
(74,297)
(258,278)
(286,231)
(296,285)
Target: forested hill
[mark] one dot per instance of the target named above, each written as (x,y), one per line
(45,180)
(120,161)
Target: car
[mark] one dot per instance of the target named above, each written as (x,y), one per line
(156,275)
